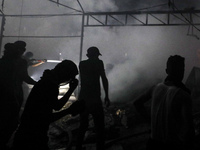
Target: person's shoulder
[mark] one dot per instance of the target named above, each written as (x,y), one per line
(183,96)
(83,62)
(183,93)
(21,62)
(99,61)
(21,59)
(159,86)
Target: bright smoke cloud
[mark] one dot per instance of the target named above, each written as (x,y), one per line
(138,54)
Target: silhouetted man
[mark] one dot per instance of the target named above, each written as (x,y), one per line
(171,110)
(91,70)
(28,56)
(42,100)
(21,71)
(9,106)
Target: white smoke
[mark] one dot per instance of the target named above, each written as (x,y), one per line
(138,54)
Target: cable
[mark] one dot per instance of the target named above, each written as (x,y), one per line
(152,6)
(190,23)
(174,7)
(2,4)
(58,3)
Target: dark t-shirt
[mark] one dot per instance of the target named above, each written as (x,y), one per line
(90,71)
(7,88)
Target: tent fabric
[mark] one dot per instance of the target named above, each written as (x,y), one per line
(193,82)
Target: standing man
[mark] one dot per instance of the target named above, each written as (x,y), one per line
(9,107)
(21,71)
(91,70)
(171,110)
(28,56)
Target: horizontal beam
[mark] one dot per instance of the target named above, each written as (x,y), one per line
(132,25)
(42,15)
(143,18)
(10,36)
(142,12)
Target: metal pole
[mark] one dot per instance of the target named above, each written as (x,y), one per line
(81,48)
(82,30)
(82,35)
(2,30)
(80,6)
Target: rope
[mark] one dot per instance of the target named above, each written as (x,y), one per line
(152,6)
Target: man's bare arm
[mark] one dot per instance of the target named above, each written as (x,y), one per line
(106,88)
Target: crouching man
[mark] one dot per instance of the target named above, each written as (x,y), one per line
(43,99)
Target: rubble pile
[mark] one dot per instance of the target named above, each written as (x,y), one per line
(122,127)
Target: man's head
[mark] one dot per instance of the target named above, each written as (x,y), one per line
(10,50)
(20,46)
(28,55)
(93,52)
(176,67)
(65,71)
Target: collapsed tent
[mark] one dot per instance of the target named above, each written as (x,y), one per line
(193,82)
